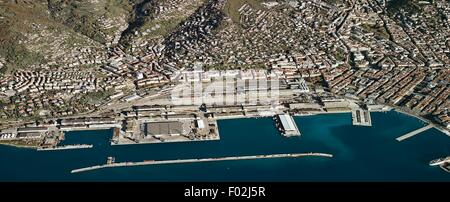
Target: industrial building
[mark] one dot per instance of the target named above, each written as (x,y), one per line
(32,130)
(163,128)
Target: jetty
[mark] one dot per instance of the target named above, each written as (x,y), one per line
(67,147)
(415,132)
(286,125)
(361,117)
(232,158)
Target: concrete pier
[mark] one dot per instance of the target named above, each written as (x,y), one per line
(361,117)
(126,164)
(287,125)
(415,132)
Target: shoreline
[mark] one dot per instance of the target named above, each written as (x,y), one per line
(413,115)
(18,146)
(167,141)
(395,109)
(323,113)
(429,122)
(151,153)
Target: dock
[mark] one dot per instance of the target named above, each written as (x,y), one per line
(233,158)
(67,147)
(415,132)
(361,117)
(286,125)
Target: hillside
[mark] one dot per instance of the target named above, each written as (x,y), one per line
(153,20)
(29,35)
(100,20)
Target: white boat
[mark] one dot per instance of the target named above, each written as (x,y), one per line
(440,161)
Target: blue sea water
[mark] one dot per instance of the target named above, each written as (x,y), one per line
(360,154)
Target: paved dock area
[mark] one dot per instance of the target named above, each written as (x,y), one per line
(361,117)
(287,125)
(415,132)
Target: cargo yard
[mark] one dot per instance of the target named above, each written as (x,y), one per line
(145,131)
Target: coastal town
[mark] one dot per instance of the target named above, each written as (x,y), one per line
(166,82)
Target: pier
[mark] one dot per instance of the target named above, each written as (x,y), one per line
(415,132)
(287,125)
(67,147)
(126,164)
(361,117)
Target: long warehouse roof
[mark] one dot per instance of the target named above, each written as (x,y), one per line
(287,122)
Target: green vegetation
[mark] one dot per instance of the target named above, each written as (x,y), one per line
(334,2)
(229,66)
(84,17)
(340,55)
(117,7)
(376,29)
(162,25)
(165,26)
(93,98)
(393,6)
(18,55)
(3,71)
(232,7)
(11,29)
(27,33)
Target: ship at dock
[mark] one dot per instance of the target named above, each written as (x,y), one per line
(446,167)
(110,160)
(66,147)
(440,161)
